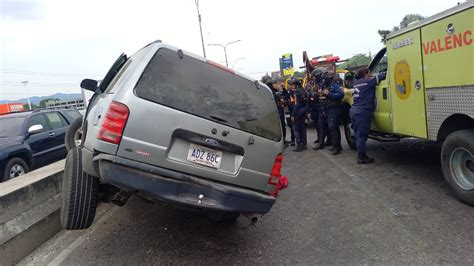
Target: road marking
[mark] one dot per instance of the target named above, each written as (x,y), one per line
(365,187)
(74,245)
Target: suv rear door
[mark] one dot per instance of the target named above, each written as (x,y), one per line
(58,125)
(183,101)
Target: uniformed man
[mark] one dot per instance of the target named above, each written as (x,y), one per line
(313,101)
(330,109)
(299,114)
(279,101)
(362,110)
(289,96)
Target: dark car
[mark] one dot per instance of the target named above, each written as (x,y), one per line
(32,139)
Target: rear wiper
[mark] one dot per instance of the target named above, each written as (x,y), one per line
(218,118)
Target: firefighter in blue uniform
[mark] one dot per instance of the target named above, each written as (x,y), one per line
(362,110)
(330,109)
(299,114)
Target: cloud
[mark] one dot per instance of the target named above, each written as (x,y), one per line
(21,10)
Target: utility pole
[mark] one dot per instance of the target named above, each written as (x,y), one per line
(225,49)
(25,82)
(200,28)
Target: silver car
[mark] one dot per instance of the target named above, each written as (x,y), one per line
(174,127)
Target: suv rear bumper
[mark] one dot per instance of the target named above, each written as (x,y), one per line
(175,187)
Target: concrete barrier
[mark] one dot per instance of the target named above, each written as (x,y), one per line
(29,211)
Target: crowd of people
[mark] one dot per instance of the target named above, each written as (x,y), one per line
(321,102)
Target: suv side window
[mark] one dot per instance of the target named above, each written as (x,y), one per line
(55,120)
(38,119)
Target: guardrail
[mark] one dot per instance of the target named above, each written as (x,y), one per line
(29,211)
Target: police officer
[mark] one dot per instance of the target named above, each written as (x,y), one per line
(362,110)
(330,109)
(299,114)
(313,101)
(279,101)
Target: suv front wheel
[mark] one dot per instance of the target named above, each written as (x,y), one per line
(15,167)
(79,193)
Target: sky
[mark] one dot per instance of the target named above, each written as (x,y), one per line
(49,46)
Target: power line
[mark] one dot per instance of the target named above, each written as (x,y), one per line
(38,73)
(40,83)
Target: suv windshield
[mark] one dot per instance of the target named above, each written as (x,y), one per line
(11,126)
(189,85)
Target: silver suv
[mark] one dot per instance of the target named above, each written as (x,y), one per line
(174,127)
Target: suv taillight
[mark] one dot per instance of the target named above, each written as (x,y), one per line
(114,123)
(276,174)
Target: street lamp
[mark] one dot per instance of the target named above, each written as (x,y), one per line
(225,49)
(200,27)
(25,82)
(236,60)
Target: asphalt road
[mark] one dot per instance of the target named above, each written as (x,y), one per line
(396,211)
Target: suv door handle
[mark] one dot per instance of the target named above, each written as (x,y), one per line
(51,134)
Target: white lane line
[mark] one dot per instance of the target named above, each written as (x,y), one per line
(365,187)
(74,245)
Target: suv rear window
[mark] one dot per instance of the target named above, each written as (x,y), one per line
(198,88)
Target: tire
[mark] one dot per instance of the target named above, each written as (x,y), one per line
(350,135)
(15,167)
(224,217)
(457,162)
(79,194)
(74,134)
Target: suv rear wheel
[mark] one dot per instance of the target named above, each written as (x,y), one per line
(15,167)
(79,193)
(457,161)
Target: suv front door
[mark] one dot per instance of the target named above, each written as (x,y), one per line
(42,143)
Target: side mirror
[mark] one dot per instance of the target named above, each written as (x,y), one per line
(35,129)
(89,84)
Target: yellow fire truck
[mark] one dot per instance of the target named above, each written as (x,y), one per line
(429,91)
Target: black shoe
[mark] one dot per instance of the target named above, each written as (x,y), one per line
(328,143)
(316,141)
(298,148)
(336,151)
(304,147)
(318,147)
(333,148)
(287,142)
(292,143)
(364,159)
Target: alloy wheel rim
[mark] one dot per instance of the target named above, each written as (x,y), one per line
(16,170)
(461,164)
(78,137)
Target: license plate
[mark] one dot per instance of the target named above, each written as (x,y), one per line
(204,156)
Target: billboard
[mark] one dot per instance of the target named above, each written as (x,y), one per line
(286,64)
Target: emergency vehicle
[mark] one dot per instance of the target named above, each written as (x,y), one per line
(11,108)
(429,91)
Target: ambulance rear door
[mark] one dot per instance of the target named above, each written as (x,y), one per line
(407,85)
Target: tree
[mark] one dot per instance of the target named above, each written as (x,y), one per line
(43,102)
(355,61)
(407,19)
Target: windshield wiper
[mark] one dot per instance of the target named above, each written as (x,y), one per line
(218,118)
